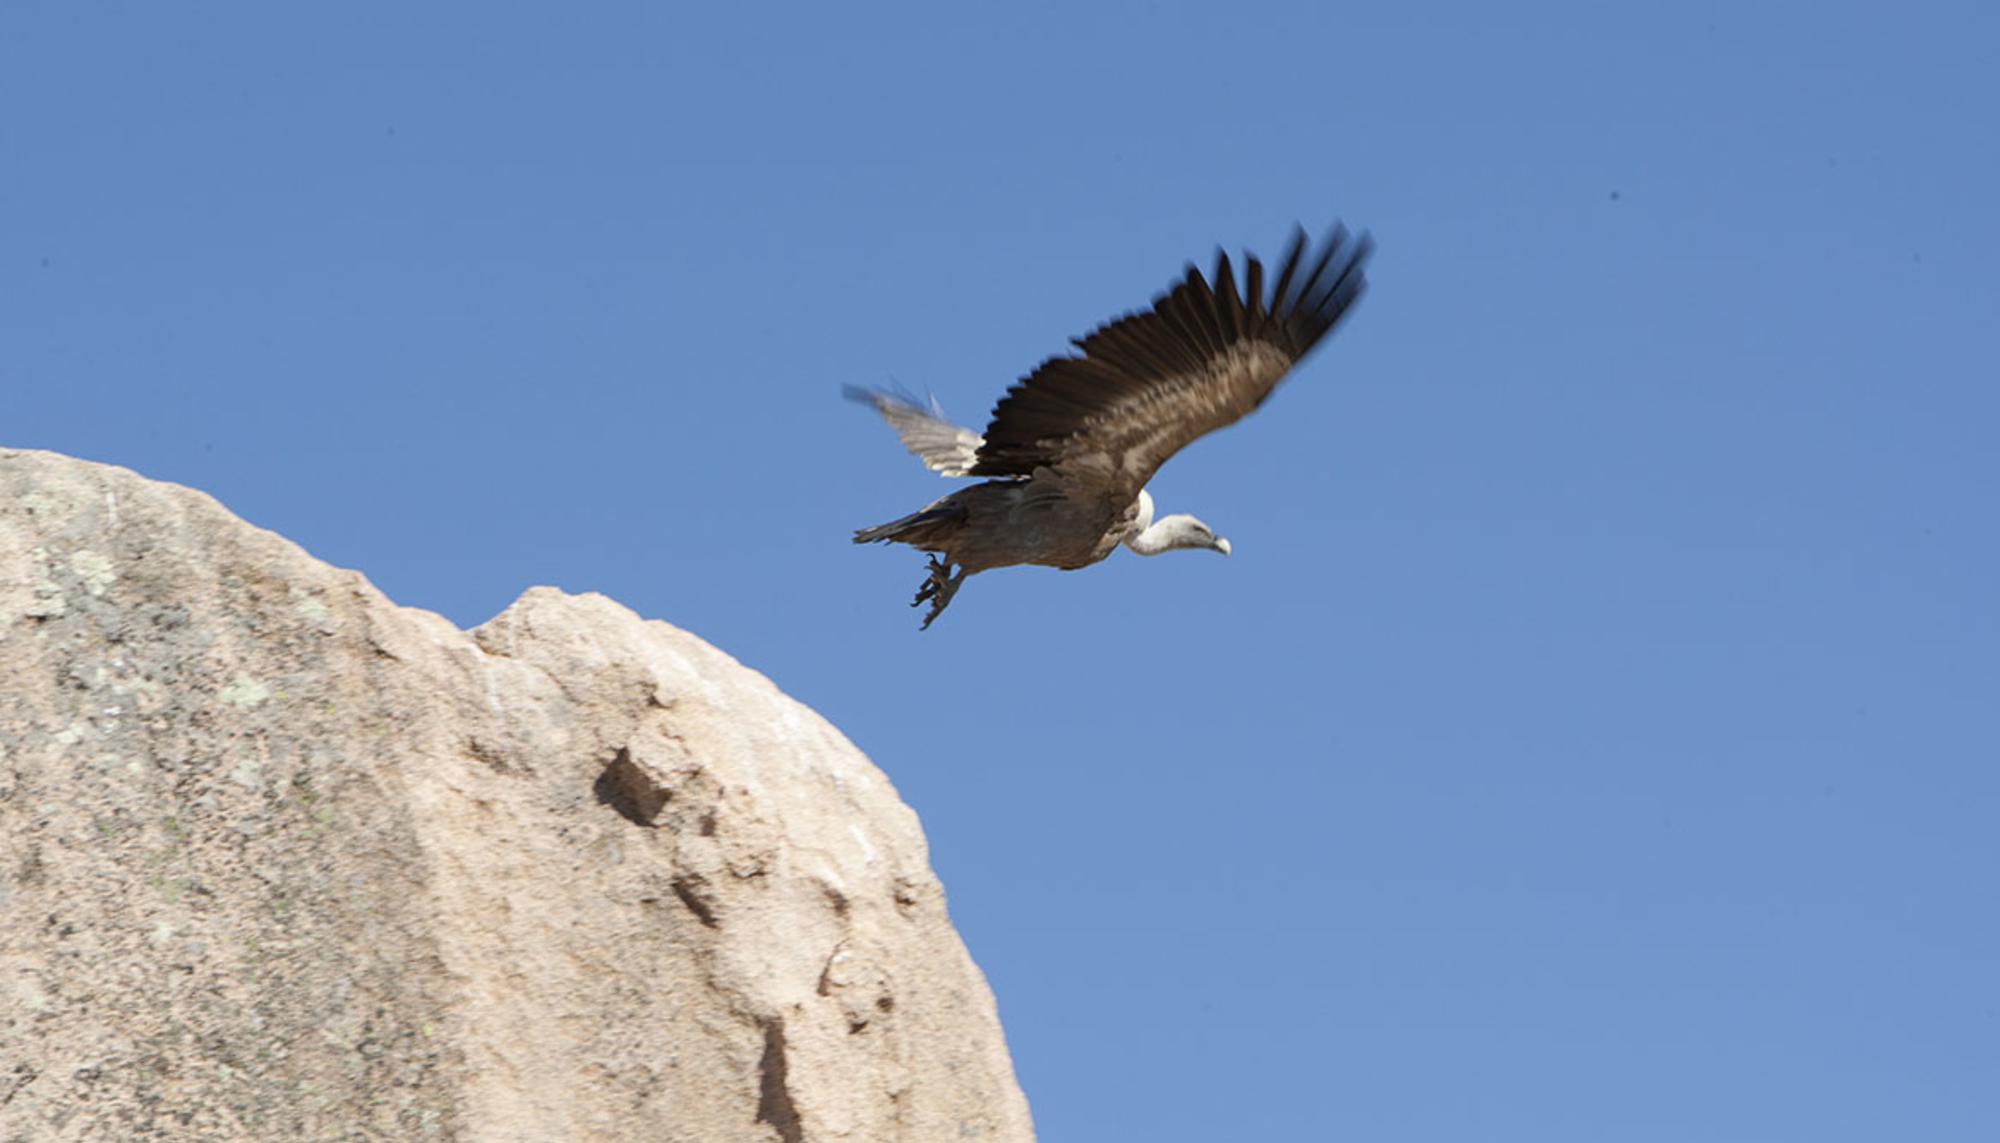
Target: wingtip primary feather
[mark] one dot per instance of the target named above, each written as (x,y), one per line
(945,448)
(880,399)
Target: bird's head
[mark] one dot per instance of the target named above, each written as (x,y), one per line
(1178,531)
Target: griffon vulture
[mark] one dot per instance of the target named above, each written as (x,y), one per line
(1071,446)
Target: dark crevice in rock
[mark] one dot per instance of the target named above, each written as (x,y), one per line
(774,1103)
(487,754)
(625,786)
(825,985)
(688,890)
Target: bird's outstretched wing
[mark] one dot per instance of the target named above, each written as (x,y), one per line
(1147,384)
(945,448)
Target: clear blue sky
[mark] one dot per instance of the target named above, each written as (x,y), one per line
(1593,736)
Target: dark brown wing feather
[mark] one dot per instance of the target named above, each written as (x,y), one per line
(1149,383)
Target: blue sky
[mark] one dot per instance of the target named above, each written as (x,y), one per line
(1593,734)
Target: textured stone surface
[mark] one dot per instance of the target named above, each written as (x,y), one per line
(282,860)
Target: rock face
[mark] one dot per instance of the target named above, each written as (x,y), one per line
(282,860)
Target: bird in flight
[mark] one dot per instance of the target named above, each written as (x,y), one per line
(1071,447)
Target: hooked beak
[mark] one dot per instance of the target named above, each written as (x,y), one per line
(1222,545)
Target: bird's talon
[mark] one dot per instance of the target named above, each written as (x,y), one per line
(937,590)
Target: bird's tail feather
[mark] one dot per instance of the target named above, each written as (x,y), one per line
(902,529)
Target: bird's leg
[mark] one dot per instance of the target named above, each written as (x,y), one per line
(941,598)
(939,575)
(939,589)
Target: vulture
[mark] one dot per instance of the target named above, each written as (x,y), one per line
(1070,448)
